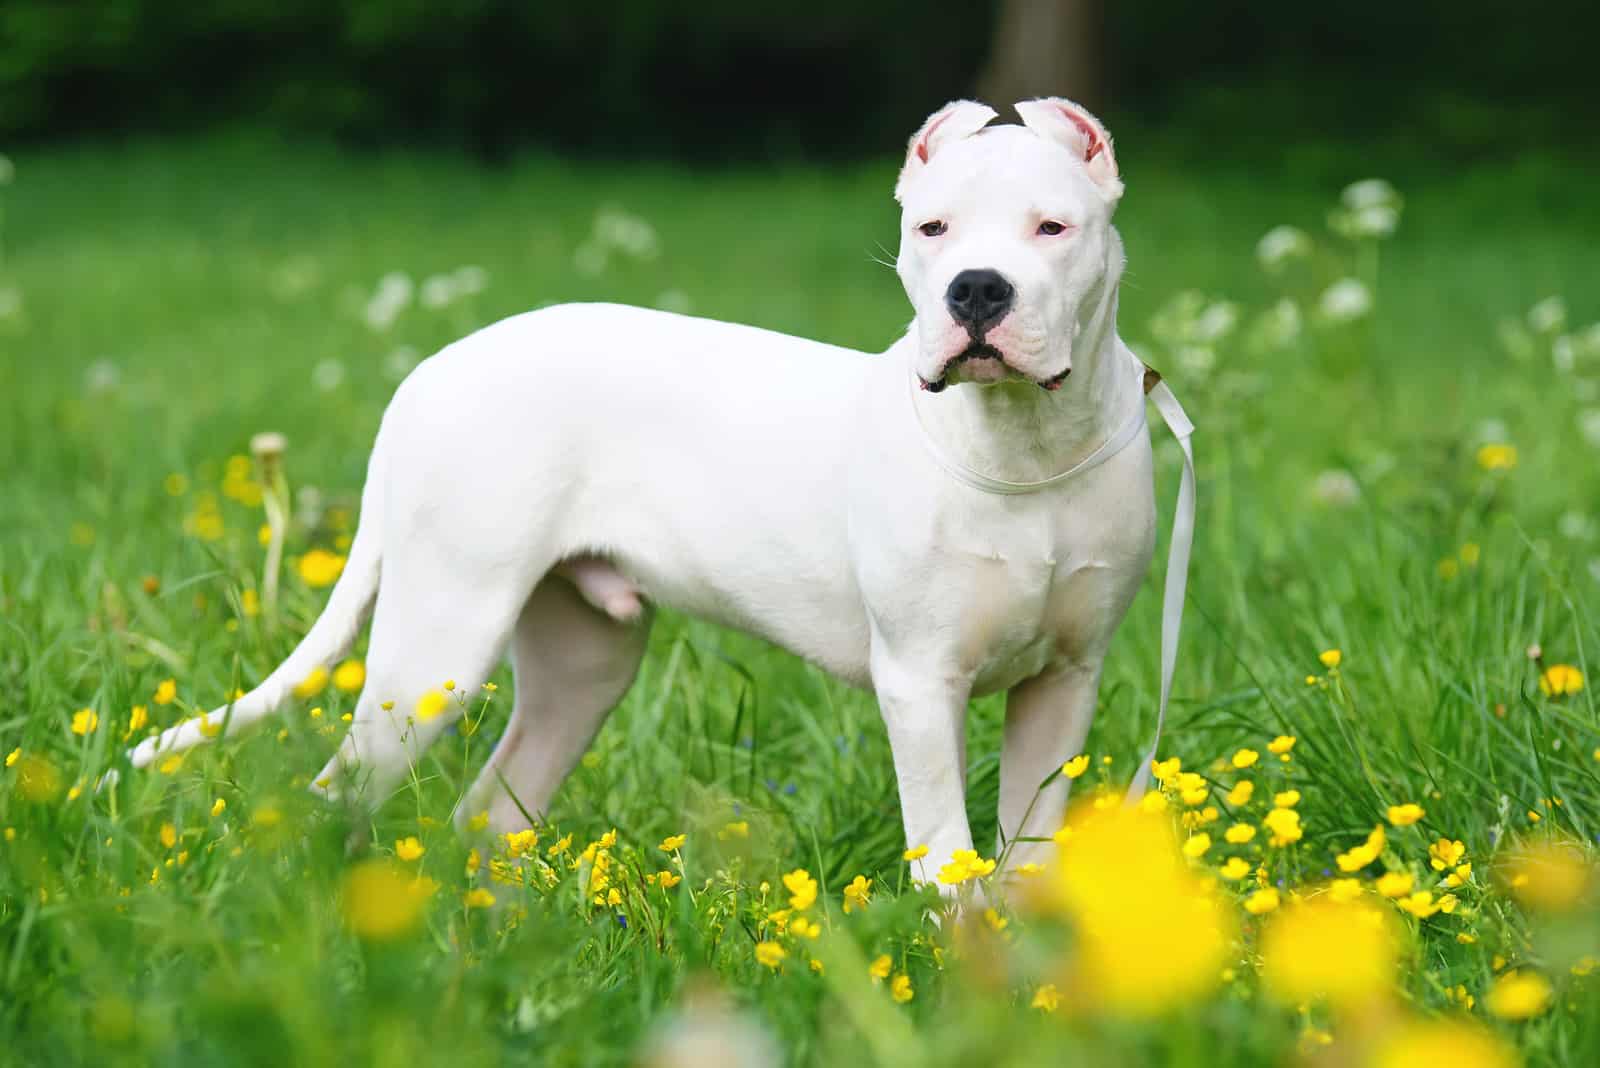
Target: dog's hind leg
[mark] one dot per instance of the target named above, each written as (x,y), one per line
(571,664)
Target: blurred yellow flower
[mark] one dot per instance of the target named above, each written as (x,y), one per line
(1281,744)
(166,692)
(1405,815)
(1497,457)
(1420,904)
(169,835)
(1446,1042)
(1235,869)
(1552,876)
(1362,855)
(312,684)
(918,852)
(1076,766)
(379,900)
(138,719)
(1284,823)
(409,848)
(1241,793)
(667,880)
(1286,799)
(1395,883)
(1261,902)
(802,889)
(1046,998)
(84,721)
(1245,758)
(431,704)
(1560,680)
(1320,948)
(1239,833)
(801,927)
(857,893)
(350,676)
(1195,846)
(320,568)
(1445,853)
(964,864)
(900,988)
(879,969)
(770,954)
(1330,658)
(522,843)
(672,843)
(1167,770)
(736,829)
(1519,995)
(13,756)
(478,898)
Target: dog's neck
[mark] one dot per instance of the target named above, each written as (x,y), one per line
(1018,432)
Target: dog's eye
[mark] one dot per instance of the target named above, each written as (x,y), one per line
(934,228)
(1050,228)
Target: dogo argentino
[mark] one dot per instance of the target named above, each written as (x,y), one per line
(971,511)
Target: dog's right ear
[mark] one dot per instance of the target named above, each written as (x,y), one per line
(957,119)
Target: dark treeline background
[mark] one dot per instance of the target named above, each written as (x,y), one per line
(826,78)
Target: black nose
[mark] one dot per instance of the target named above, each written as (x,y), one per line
(979,298)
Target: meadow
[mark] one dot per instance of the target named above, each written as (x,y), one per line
(1390,637)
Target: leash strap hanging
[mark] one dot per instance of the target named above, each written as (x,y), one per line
(1177,421)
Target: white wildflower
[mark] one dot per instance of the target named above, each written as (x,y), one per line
(470,280)
(327,375)
(1336,488)
(392,296)
(1345,300)
(1369,193)
(1589,426)
(1576,526)
(1548,316)
(1216,322)
(1196,361)
(1281,243)
(436,291)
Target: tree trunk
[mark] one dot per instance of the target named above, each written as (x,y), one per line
(1046,48)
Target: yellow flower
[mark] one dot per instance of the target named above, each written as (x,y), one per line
(1345,890)
(1192,789)
(1458,877)
(479,821)
(1395,883)
(166,692)
(171,765)
(1560,680)
(802,889)
(1261,902)
(84,721)
(1331,658)
(1362,855)
(1047,998)
(857,893)
(1245,758)
(667,880)
(1405,815)
(1195,846)
(1284,823)
(770,954)
(313,683)
(1497,457)
(900,988)
(1287,799)
(474,862)
(1420,904)
(478,898)
(320,568)
(964,864)
(1551,876)
(1457,1043)
(1076,766)
(1166,770)
(431,704)
(1241,793)
(1321,948)
(1235,869)
(169,835)
(1281,744)
(409,848)
(996,922)
(379,900)
(801,927)
(1239,833)
(915,853)
(1445,854)
(13,756)
(1029,869)
(138,719)
(217,806)
(559,846)
(879,969)
(672,843)
(736,829)
(522,843)
(1519,995)
(350,676)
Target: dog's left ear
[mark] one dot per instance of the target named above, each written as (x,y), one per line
(1064,122)
(957,119)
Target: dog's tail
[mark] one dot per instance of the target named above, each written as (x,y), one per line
(330,636)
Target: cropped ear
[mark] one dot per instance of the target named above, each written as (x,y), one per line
(957,119)
(1064,122)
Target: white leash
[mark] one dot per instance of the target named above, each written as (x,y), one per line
(1178,551)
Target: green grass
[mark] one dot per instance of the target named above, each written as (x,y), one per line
(176,298)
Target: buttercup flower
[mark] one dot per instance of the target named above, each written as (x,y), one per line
(1363,854)
(1245,758)
(380,901)
(1395,883)
(857,893)
(431,704)
(1076,766)
(1284,823)
(1458,1043)
(900,988)
(409,848)
(1281,744)
(166,692)
(770,954)
(672,843)
(1046,998)
(319,568)
(84,721)
(1519,995)
(915,853)
(478,898)
(1239,833)
(312,684)
(1497,457)
(1445,854)
(1261,902)
(879,969)
(1241,793)
(1560,680)
(1195,846)
(1345,952)
(1405,815)
(802,889)
(964,864)
(350,676)
(1235,869)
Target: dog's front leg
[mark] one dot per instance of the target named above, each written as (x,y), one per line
(1047,720)
(925,712)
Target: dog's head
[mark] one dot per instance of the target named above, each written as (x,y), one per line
(1006,246)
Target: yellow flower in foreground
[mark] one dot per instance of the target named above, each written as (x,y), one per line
(1405,815)
(1261,902)
(667,880)
(522,843)
(1560,680)
(1552,876)
(409,848)
(1047,998)
(1445,854)
(379,900)
(1331,658)
(1452,1042)
(802,889)
(478,898)
(857,893)
(1235,869)
(964,864)
(1344,952)
(672,843)
(880,968)
(1395,883)
(770,954)
(350,676)
(1519,996)
(1422,905)
(84,721)
(1245,758)
(166,692)
(312,684)
(1076,766)
(1284,823)
(320,568)
(900,988)
(1281,744)
(915,853)
(431,704)
(1497,457)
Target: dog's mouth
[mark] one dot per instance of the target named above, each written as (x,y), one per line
(985,364)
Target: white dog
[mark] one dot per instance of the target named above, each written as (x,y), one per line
(971,511)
